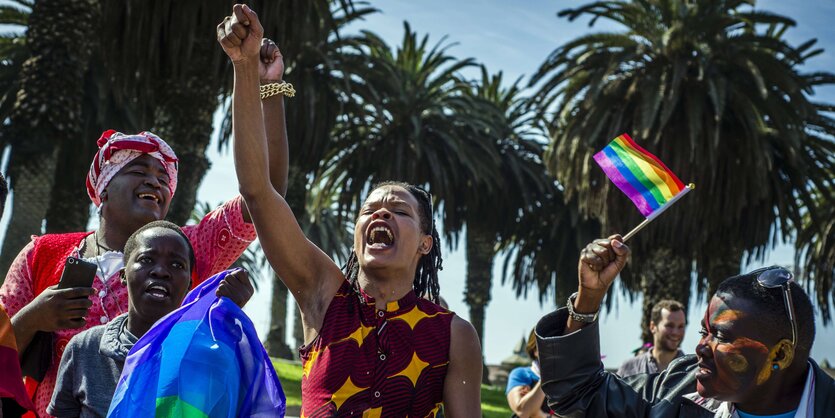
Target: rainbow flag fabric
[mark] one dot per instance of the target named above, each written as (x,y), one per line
(202,360)
(11,378)
(640,175)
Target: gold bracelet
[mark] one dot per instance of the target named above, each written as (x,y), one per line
(283,87)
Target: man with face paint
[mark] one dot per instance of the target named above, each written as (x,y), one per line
(667,322)
(752,360)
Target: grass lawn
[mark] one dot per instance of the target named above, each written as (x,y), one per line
(493,402)
(290,374)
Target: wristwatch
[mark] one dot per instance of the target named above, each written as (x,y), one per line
(586,318)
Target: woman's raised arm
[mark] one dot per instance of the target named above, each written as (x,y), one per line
(308,272)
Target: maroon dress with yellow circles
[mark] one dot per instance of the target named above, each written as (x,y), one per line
(377,363)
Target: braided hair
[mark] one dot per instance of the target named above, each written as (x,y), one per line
(426,274)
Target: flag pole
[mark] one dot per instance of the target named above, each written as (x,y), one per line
(655,214)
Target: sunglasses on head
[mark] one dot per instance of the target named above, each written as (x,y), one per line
(774,277)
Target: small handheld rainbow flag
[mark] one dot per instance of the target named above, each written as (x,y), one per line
(650,185)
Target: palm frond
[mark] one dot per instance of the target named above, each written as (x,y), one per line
(715,91)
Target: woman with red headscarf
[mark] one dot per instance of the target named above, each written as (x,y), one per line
(131,181)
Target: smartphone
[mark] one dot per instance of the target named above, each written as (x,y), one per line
(77,273)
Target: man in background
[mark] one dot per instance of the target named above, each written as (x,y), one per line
(667,322)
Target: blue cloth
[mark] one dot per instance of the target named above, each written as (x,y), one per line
(202,360)
(790,414)
(521,376)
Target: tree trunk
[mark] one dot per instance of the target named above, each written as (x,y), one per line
(32,182)
(481,244)
(183,118)
(664,277)
(69,206)
(47,111)
(276,342)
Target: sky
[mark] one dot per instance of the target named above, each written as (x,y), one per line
(515,37)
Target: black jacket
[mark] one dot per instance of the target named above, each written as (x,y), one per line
(576,384)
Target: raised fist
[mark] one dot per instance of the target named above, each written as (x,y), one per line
(237,287)
(240,34)
(271,66)
(601,261)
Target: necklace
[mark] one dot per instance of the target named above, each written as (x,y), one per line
(99,245)
(107,291)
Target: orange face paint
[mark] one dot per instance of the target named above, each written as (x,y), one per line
(737,361)
(734,355)
(727,315)
(755,345)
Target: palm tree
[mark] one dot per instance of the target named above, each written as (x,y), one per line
(518,138)
(161,54)
(815,251)
(13,51)
(540,235)
(100,108)
(413,119)
(314,49)
(46,112)
(713,89)
(547,237)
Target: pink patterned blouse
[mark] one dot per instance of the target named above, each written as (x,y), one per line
(218,240)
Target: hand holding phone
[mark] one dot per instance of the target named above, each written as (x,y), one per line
(77,273)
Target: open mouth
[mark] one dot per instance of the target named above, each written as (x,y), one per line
(157,291)
(149,196)
(703,371)
(379,237)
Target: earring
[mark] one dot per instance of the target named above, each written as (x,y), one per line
(775,367)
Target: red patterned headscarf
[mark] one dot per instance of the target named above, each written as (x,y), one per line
(116,150)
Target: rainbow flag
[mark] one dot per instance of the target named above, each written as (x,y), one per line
(202,360)
(11,378)
(640,175)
